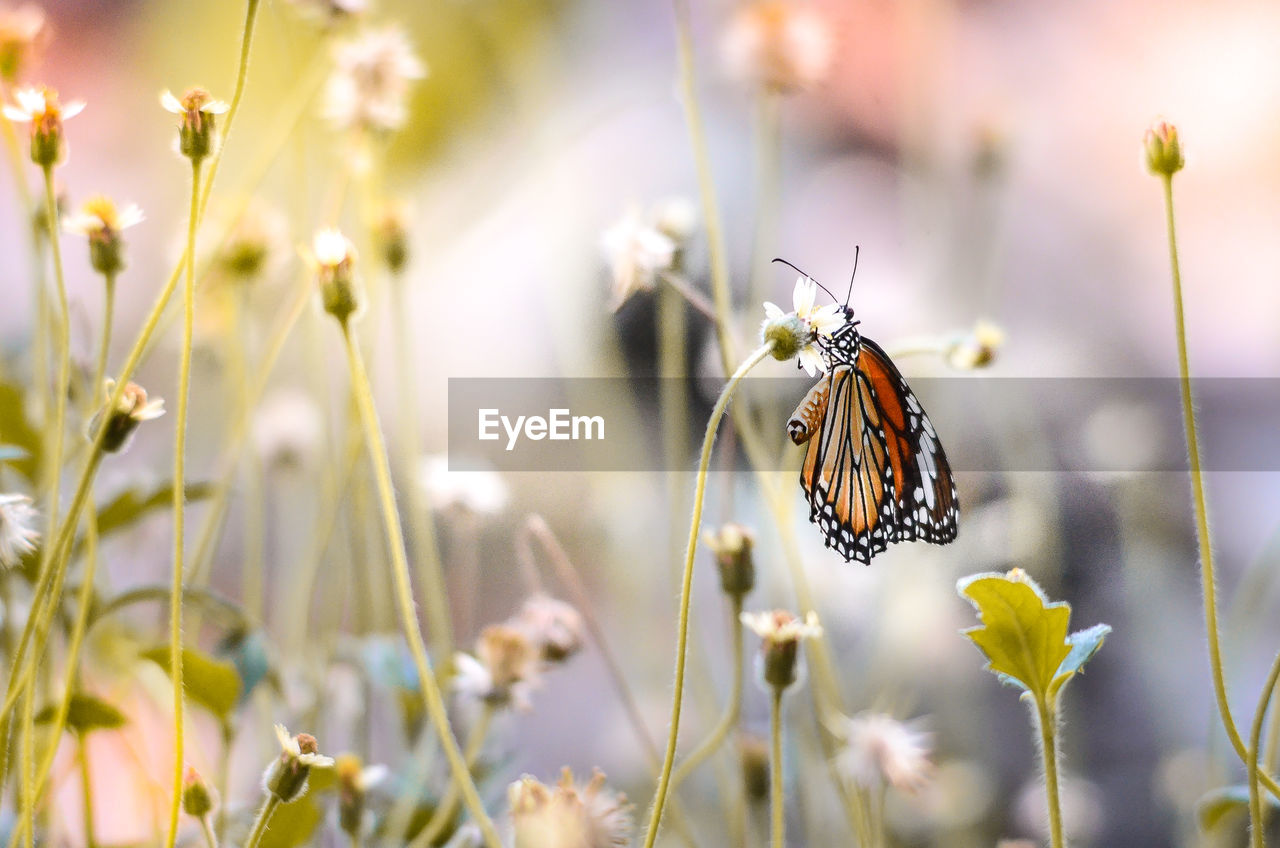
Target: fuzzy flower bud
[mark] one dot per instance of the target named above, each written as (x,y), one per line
(781,632)
(393,238)
(197,133)
(40,108)
(334,257)
(122,420)
(732,545)
(1163,149)
(197,796)
(354,783)
(102,223)
(286,777)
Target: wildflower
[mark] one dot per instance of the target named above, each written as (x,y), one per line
(637,252)
(333,257)
(120,422)
(102,222)
(503,671)
(781,46)
(1163,149)
(569,815)
(286,777)
(393,236)
(731,545)
(554,626)
(753,756)
(781,632)
(40,107)
(197,796)
(20,30)
(354,783)
(253,239)
(676,218)
(479,492)
(197,134)
(287,428)
(18,536)
(370,81)
(881,751)
(976,349)
(795,333)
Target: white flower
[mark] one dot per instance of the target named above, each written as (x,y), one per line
(781,626)
(287,428)
(783,46)
(813,323)
(17,536)
(330,248)
(99,215)
(40,104)
(293,747)
(880,751)
(977,348)
(480,492)
(637,250)
(369,86)
(195,100)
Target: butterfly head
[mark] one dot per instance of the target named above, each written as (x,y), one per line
(843,345)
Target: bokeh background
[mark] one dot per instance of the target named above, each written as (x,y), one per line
(986,156)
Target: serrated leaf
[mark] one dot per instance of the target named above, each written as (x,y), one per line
(209,682)
(16,431)
(1023,635)
(86,713)
(1217,804)
(1084,644)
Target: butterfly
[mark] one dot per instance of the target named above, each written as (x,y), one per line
(874,470)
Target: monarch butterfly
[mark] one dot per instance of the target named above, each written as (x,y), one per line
(874,471)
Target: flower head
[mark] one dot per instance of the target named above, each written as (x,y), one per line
(881,751)
(21,29)
(479,492)
(198,798)
(354,782)
(977,348)
(18,535)
(569,815)
(781,46)
(795,333)
(197,134)
(286,777)
(287,428)
(369,86)
(122,420)
(731,545)
(40,108)
(392,231)
(637,252)
(255,238)
(102,223)
(333,257)
(504,669)
(554,626)
(781,633)
(1163,149)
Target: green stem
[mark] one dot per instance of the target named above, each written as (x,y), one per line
(682,632)
(210,838)
(1208,581)
(433,700)
(242,76)
(104,345)
(1258,824)
(86,790)
(179,505)
(261,822)
(777,802)
(729,718)
(1048,722)
(444,813)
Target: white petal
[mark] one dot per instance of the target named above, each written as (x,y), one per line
(75,107)
(802,298)
(170,103)
(827,319)
(130,215)
(812,361)
(14,113)
(31,100)
(81,224)
(215,107)
(772,311)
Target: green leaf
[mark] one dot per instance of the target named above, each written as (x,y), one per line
(16,431)
(1084,644)
(1217,805)
(211,683)
(86,713)
(131,504)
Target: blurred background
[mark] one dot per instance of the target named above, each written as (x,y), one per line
(987,159)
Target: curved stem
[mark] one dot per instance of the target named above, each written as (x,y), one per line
(242,76)
(448,807)
(777,802)
(431,695)
(1049,751)
(682,632)
(729,718)
(210,838)
(261,822)
(1258,824)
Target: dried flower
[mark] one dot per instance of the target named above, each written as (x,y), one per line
(198,133)
(637,252)
(120,422)
(286,777)
(731,545)
(881,751)
(781,633)
(102,223)
(781,46)
(1163,149)
(369,86)
(287,428)
(795,333)
(18,535)
(20,30)
(568,815)
(333,257)
(479,492)
(40,107)
(976,349)
(502,672)
(354,782)
(552,625)
(197,796)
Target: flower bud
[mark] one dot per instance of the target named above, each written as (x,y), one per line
(123,419)
(286,777)
(101,222)
(789,334)
(393,239)
(197,796)
(354,782)
(40,107)
(753,754)
(333,257)
(1163,149)
(732,545)
(780,634)
(197,134)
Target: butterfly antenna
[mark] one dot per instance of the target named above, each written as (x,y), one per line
(857,249)
(807,276)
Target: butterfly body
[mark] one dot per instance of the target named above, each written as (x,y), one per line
(874,471)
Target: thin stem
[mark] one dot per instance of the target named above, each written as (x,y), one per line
(242,76)
(86,790)
(1208,582)
(179,505)
(777,802)
(261,822)
(1258,824)
(729,718)
(693,297)
(1049,752)
(431,695)
(210,838)
(686,591)
(448,807)
(104,344)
